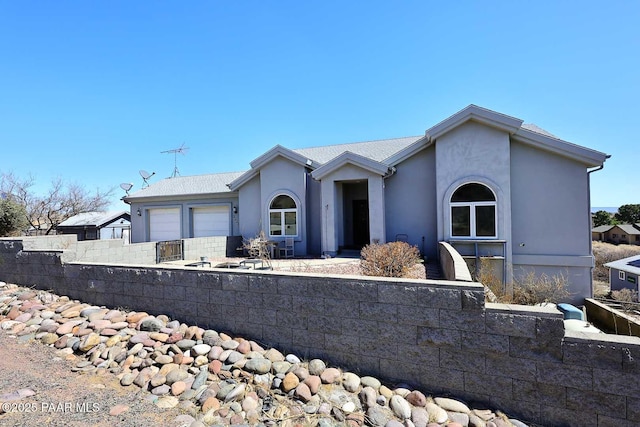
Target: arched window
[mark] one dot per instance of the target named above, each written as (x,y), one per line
(473,212)
(283,216)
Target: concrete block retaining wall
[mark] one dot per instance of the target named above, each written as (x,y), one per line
(437,335)
(116,251)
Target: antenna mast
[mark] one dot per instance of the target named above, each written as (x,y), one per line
(182,149)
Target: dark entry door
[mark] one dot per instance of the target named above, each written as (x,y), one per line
(360,222)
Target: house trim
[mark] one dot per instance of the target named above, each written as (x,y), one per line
(350,158)
(591,158)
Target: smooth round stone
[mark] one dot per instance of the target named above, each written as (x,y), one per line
(292,358)
(372,382)
(303,393)
(452,405)
(316,367)
(151,325)
(416,398)
(161,390)
(459,417)
(368,397)
(24,317)
(139,338)
(166,402)
(185,344)
(224,391)
(237,391)
(230,344)
(436,413)
(274,355)
(280,367)
(349,407)
(176,375)
(234,357)
(290,382)
(200,349)
(201,378)
(158,380)
(49,338)
(258,366)
(419,416)
(400,407)
(67,327)
(378,417)
(200,360)
(351,382)
(178,387)
(47,314)
(89,341)
(330,375)
(164,359)
(127,379)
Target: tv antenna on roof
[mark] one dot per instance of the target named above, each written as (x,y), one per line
(145,176)
(182,149)
(126,186)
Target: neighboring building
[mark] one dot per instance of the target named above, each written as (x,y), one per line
(97,225)
(628,234)
(481,180)
(624,273)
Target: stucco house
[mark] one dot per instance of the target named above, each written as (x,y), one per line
(481,180)
(628,234)
(624,273)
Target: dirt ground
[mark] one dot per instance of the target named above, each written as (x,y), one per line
(66,398)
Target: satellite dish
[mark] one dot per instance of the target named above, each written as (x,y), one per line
(126,186)
(145,176)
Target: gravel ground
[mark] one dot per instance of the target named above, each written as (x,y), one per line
(66,398)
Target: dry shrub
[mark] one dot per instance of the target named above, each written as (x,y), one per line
(529,289)
(532,289)
(393,259)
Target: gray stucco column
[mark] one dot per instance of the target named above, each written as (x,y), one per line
(376,209)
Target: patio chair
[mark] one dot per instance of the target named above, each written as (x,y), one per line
(287,251)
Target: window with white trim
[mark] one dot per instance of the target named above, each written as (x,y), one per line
(473,212)
(283,216)
(621,275)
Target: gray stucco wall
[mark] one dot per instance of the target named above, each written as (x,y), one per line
(140,227)
(249,209)
(410,202)
(550,217)
(282,176)
(438,336)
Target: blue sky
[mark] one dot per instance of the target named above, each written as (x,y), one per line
(93,91)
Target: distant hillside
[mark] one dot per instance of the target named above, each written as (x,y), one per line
(607,209)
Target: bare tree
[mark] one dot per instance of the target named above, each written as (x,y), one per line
(61,201)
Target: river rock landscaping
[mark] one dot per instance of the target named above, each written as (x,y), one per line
(217,379)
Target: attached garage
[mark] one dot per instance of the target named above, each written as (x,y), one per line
(164,224)
(211,221)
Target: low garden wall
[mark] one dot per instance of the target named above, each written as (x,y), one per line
(117,251)
(436,335)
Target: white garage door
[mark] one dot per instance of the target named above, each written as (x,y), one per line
(164,224)
(211,221)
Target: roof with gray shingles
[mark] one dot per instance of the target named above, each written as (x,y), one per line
(91,218)
(535,128)
(629,229)
(602,229)
(378,150)
(188,185)
(629,265)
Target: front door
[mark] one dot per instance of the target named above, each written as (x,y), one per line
(360,222)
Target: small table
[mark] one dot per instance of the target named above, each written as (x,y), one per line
(199,264)
(254,262)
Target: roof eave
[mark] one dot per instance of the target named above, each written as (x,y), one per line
(281,151)
(409,151)
(243,179)
(477,114)
(589,157)
(350,158)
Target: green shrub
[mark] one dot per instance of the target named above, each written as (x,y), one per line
(394,259)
